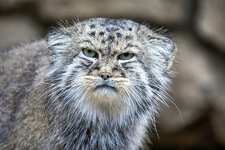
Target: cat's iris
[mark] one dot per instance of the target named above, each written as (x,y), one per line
(125,56)
(89,53)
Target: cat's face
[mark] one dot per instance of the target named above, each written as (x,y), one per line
(109,65)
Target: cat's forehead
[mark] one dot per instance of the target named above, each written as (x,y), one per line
(110,25)
(106,32)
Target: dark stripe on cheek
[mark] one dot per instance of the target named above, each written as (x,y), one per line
(129,62)
(85,65)
(141,63)
(70,78)
(94,66)
(85,59)
(57,77)
(126,68)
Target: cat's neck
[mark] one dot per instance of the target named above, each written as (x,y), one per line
(76,131)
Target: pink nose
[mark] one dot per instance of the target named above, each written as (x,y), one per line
(105,75)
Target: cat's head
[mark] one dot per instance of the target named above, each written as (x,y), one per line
(104,65)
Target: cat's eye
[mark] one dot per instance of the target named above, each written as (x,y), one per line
(90,53)
(125,56)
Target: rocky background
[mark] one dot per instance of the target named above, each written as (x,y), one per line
(195,118)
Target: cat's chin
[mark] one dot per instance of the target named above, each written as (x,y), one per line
(105,89)
(105,101)
(105,94)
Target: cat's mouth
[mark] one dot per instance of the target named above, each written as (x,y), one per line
(105,87)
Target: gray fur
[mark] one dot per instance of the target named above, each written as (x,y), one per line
(50,97)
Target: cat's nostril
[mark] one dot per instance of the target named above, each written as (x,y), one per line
(105,75)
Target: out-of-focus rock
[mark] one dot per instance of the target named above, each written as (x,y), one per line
(198,91)
(190,88)
(169,12)
(9,4)
(210,22)
(217,100)
(218,123)
(17,29)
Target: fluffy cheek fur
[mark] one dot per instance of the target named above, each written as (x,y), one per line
(105,100)
(130,92)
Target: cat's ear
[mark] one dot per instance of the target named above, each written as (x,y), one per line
(161,50)
(58,41)
(164,50)
(172,57)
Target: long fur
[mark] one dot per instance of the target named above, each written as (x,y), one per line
(77,114)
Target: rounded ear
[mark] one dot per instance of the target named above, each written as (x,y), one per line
(172,57)
(162,50)
(58,41)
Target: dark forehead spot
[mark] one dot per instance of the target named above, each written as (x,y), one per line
(92,26)
(113,29)
(110,38)
(118,35)
(103,41)
(92,33)
(130,29)
(101,33)
(128,38)
(103,24)
(108,29)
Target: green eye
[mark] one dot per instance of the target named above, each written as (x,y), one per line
(125,56)
(89,53)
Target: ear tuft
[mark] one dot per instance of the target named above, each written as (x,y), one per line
(58,41)
(163,50)
(172,56)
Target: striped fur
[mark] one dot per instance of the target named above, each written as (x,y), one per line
(83,116)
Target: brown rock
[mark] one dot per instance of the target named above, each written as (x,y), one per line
(160,11)
(218,101)
(9,4)
(210,22)
(190,85)
(199,91)
(16,29)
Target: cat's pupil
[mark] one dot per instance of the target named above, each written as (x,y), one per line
(89,51)
(126,54)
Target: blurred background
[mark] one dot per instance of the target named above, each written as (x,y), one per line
(198,28)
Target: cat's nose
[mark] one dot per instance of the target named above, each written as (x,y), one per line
(105,75)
